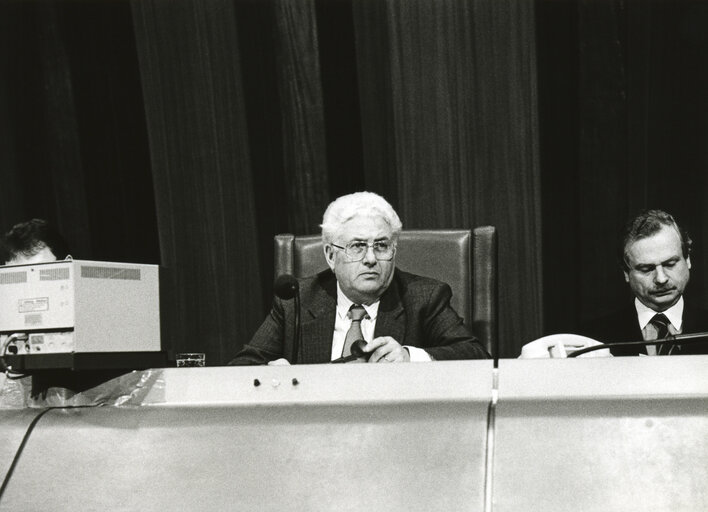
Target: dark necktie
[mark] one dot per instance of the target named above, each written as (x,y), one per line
(357,313)
(661,323)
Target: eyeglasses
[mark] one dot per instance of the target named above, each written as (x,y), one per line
(355,251)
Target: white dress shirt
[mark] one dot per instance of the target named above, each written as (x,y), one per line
(342,322)
(649,332)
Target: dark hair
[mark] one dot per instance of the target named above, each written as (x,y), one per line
(28,238)
(646,224)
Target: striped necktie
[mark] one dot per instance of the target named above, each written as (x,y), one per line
(661,323)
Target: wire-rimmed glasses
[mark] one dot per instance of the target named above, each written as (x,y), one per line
(356,250)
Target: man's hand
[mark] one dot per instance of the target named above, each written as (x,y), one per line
(279,362)
(385,349)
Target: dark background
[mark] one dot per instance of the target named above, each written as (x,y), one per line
(189,132)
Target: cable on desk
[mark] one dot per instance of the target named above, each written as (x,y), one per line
(26,437)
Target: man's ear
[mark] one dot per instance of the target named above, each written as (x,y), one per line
(329,255)
(688,262)
(626,276)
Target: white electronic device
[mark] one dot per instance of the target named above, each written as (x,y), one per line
(555,346)
(77,306)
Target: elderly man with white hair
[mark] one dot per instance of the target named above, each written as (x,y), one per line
(401,316)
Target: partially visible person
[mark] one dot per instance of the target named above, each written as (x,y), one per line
(33,241)
(401,316)
(37,241)
(655,255)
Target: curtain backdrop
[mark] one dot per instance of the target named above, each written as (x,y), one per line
(624,120)
(73,142)
(189,132)
(431,103)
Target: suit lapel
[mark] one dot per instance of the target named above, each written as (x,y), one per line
(391,318)
(634,333)
(694,320)
(623,326)
(318,323)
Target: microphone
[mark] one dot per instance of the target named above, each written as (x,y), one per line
(684,339)
(286,287)
(357,352)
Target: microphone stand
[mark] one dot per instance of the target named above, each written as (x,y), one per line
(296,336)
(672,340)
(286,288)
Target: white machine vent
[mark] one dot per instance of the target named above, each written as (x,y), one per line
(13,277)
(33,320)
(132,274)
(54,274)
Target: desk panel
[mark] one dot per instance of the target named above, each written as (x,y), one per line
(268,447)
(320,384)
(616,434)
(13,426)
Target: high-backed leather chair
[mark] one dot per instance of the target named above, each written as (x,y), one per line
(464,259)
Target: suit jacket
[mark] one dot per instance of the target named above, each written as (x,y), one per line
(624,326)
(414,310)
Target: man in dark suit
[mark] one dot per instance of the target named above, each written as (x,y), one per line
(655,258)
(401,316)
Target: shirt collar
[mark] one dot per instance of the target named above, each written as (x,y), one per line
(343,305)
(674,314)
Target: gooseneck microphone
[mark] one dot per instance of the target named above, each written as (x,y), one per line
(676,339)
(286,287)
(357,352)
